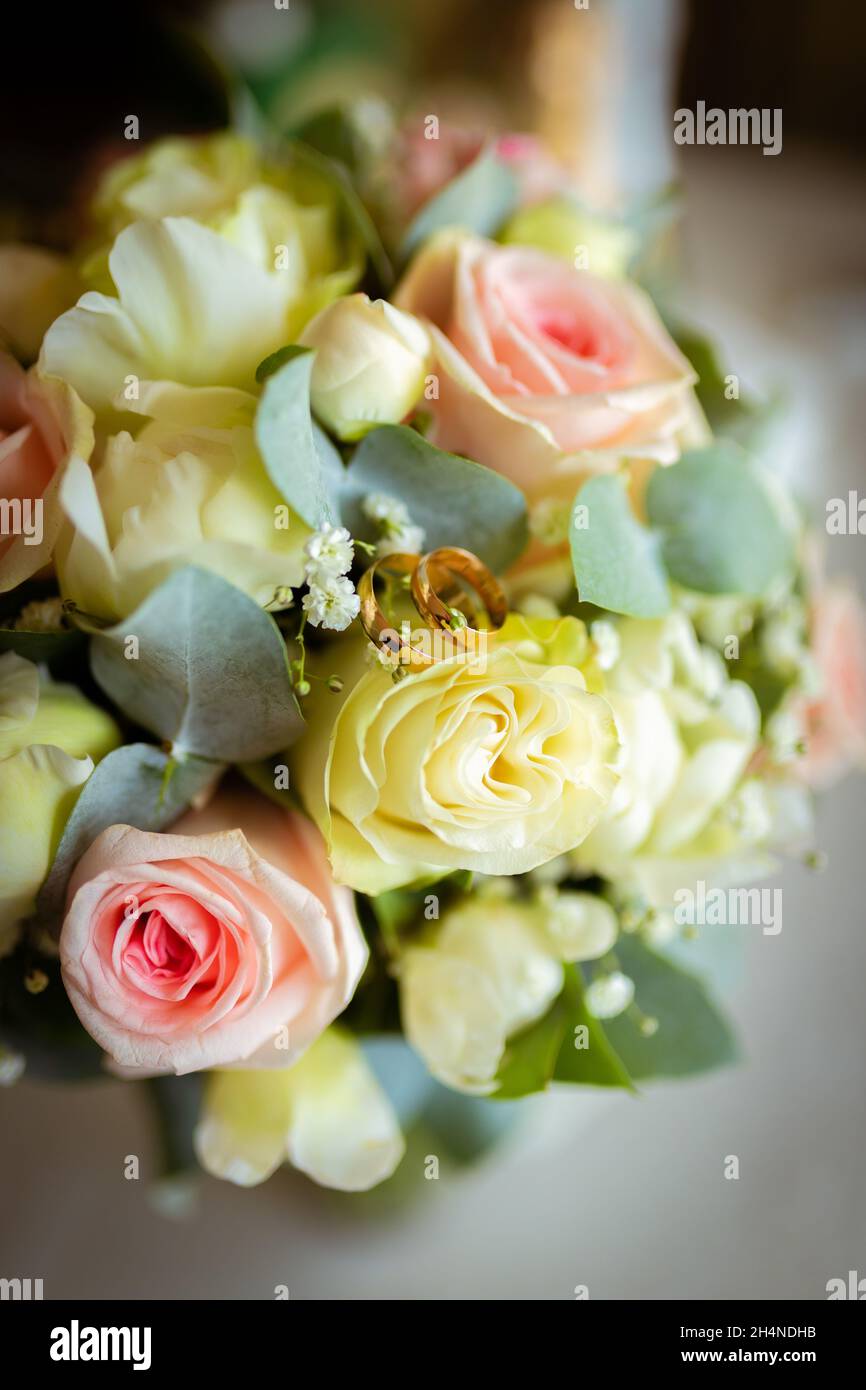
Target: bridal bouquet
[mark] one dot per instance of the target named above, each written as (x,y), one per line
(407,661)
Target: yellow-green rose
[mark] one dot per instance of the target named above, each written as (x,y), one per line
(182,176)
(590,241)
(497,763)
(370,366)
(50,738)
(199,294)
(171,496)
(491,968)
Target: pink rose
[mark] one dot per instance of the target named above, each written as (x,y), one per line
(210,947)
(42,425)
(546,373)
(835,722)
(426,165)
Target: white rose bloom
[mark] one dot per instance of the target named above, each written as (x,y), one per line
(491,969)
(370,367)
(688,736)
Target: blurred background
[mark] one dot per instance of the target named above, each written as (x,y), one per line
(625,1196)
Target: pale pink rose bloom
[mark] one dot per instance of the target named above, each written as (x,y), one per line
(42,425)
(210,946)
(835,722)
(545,372)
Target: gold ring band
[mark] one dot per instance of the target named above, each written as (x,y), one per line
(428,579)
(378,627)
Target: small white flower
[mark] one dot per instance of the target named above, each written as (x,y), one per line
(607,643)
(549,521)
(388,512)
(783,640)
(749,812)
(329,553)
(785,735)
(409,541)
(331,602)
(609,995)
(381,656)
(41,615)
(398,534)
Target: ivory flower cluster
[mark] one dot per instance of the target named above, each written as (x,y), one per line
(259,414)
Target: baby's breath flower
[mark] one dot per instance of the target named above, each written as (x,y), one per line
(408,541)
(607,643)
(398,534)
(784,735)
(331,602)
(549,521)
(388,512)
(329,554)
(376,655)
(609,995)
(41,615)
(749,812)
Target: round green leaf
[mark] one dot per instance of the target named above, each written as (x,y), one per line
(478,200)
(300,460)
(616,560)
(134,785)
(211,671)
(722,529)
(456,501)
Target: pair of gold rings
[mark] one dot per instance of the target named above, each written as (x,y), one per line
(435,581)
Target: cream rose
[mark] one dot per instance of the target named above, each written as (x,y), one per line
(327,1116)
(213,269)
(225,942)
(370,364)
(545,372)
(496,764)
(174,496)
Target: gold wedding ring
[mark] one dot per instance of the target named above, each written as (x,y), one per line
(431,589)
(436,581)
(379,628)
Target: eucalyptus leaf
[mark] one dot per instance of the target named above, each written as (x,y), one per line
(480,200)
(134,785)
(738,415)
(692,1035)
(722,529)
(547,1051)
(455,501)
(298,458)
(467,1126)
(597,1063)
(211,673)
(401,1074)
(617,561)
(40,646)
(275,360)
